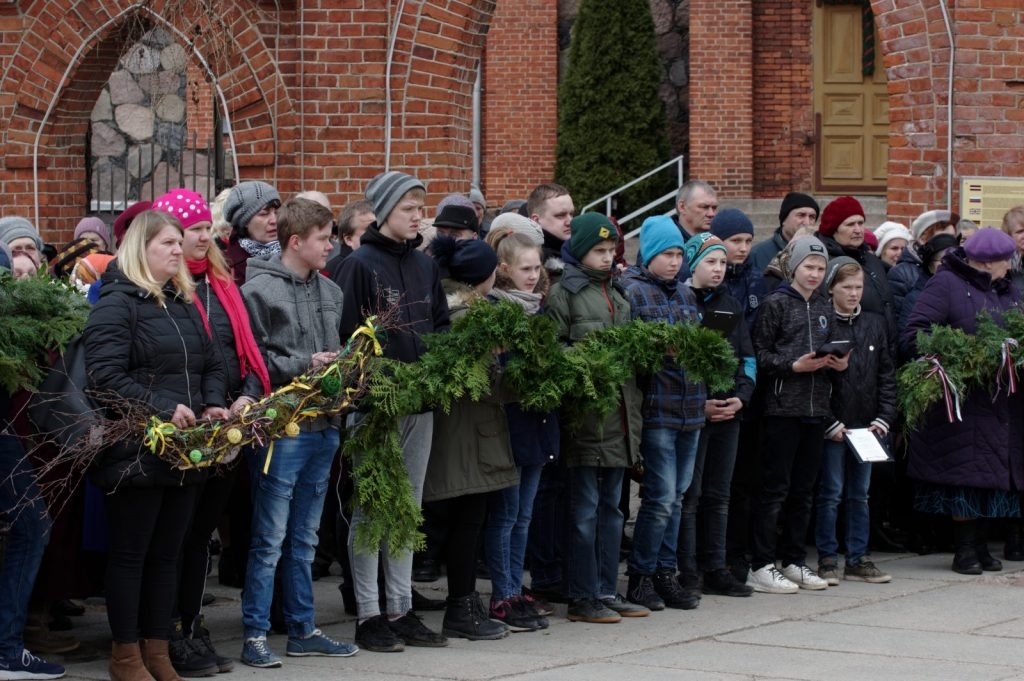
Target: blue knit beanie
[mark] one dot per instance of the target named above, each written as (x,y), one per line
(730,222)
(658,234)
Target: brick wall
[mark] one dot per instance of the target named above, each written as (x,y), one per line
(520,99)
(782,103)
(305,86)
(721,104)
(988,99)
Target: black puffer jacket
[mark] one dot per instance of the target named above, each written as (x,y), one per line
(224,343)
(877,295)
(865,393)
(788,328)
(156,356)
(386,272)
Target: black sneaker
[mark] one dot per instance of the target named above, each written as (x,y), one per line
(666,586)
(723,583)
(187,657)
(513,616)
(641,591)
(375,634)
(690,583)
(410,628)
(529,607)
(593,611)
(201,637)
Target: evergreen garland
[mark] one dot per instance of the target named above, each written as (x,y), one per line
(583,379)
(970,361)
(37,316)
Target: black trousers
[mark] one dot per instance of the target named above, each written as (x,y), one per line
(147,529)
(791,450)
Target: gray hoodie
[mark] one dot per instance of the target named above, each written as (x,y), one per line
(291,319)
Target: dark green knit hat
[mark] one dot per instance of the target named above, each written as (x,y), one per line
(588,230)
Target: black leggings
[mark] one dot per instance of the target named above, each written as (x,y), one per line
(466,521)
(147,529)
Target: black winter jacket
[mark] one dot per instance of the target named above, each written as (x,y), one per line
(384,272)
(877,296)
(709,300)
(224,343)
(865,393)
(788,328)
(156,356)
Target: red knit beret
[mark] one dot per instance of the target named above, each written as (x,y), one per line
(837,211)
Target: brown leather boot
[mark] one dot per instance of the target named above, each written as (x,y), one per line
(126,663)
(157,661)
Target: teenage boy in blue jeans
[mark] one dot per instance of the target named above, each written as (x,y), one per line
(673,413)
(597,453)
(289,482)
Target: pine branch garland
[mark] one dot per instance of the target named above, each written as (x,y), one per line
(37,316)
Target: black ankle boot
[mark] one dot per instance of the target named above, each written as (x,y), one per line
(1014,549)
(965,560)
(988,563)
(466,617)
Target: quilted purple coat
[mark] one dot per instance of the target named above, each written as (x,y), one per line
(985,450)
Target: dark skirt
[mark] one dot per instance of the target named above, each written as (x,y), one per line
(966,502)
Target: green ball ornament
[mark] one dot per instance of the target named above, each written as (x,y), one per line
(330,385)
(270,413)
(195,456)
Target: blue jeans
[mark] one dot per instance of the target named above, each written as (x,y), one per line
(669,456)
(286,507)
(30,531)
(549,532)
(509,512)
(595,531)
(843,476)
(705,515)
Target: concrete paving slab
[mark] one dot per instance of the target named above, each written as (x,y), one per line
(964,608)
(773,662)
(881,640)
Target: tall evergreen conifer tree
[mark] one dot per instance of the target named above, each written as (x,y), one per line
(611,122)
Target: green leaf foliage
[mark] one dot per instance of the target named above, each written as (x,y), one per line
(581,380)
(611,121)
(37,316)
(971,361)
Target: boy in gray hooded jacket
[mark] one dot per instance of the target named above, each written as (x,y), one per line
(295,314)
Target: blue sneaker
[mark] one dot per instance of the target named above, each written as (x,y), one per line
(318,644)
(28,666)
(255,653)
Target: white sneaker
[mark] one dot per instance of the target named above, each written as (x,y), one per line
(804,577)
(768,580)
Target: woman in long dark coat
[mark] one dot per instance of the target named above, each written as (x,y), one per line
(972,469)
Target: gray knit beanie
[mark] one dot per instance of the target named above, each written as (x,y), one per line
(803,248)
(17,227)
(245,200)
(387,189)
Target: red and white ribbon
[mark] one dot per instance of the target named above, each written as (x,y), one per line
(950,395)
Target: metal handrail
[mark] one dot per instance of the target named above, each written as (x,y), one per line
(607,198)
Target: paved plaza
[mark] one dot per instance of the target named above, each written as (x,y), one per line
(928,623)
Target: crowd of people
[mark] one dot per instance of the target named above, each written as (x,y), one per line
(200,309)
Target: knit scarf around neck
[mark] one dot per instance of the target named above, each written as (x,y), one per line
(529,301)
(249,356)
(257,250)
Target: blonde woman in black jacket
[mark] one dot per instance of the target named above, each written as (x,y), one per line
(146,344)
